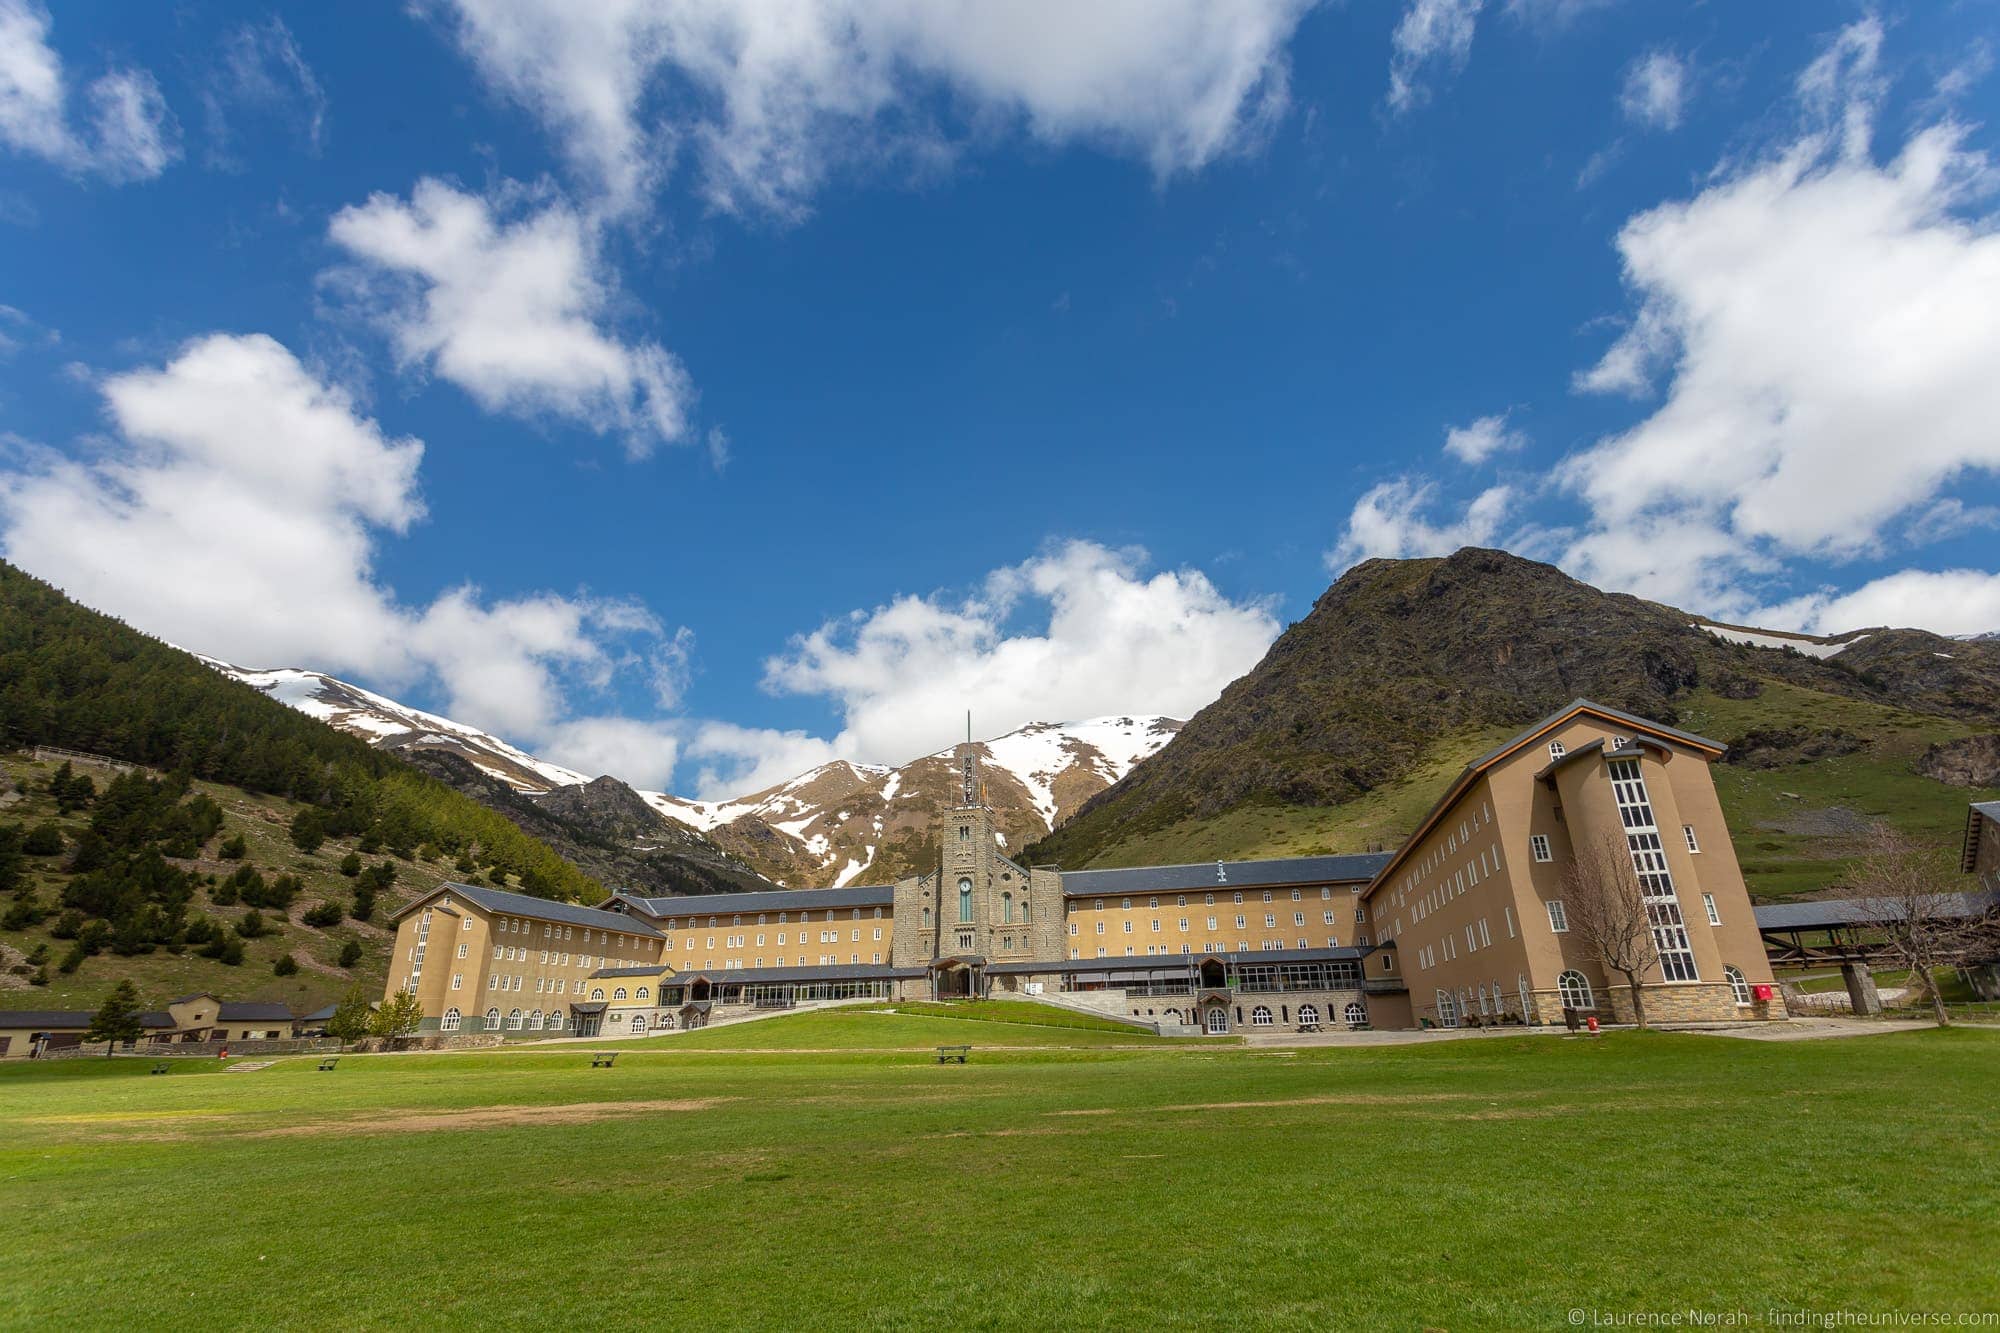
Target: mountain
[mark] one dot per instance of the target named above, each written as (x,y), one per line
(604,827)
(845,823)
(829,826)
(1405,669)
(395,727)
(601,825)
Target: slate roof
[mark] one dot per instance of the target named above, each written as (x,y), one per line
(1212,875)
(783,900)
(66,1020)
(1825,913)
(253,1011)
(537,909)
(654,971)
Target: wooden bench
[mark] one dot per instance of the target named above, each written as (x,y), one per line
(160,1067)
(946,1054)
(603,1059)
(1308,1027)
(327,1064)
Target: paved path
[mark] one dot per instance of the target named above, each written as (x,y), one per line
(1813,1029)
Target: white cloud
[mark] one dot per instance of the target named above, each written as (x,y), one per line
(1390,520)
(1951,601)
(1431,34)
(1655,91)
(261,70)
(639,753)
(1115,640)
(135,136)
(193,525)
(1482,439)
(769,99)
(507,298)
(736,760)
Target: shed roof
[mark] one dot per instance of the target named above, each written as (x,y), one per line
(1827,913)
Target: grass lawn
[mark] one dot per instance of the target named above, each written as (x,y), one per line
(1483,1183)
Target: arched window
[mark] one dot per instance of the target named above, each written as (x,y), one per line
(1308,1015)
(493,1020)
(638,1023)
(1574,987)
(1447,1004)
(927,917)
(641,993)
(449,1023)
(1260,1017)
(1172,1016)
(1007,908)
(618,994)
(597,992)
(965,900)
(1355,1014)
(535,1021)
(555,1020)
(1738,985)
(514,1020)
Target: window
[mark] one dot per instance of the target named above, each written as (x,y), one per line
(1558,917)
(1738,986)
(493,1020)
(1687,831)
(535,1021)
(555,1021)
(450,1021)
(1574,987)
(457,980)
(638,1024)
(1447,1007)
(1006,910)
(1555,749)
(965,900)
(1708,902)
(1260,1017)
(618,994)
(1270,921)
(1539,845)
(461,949)
(1354,1015)
(514,1020)
(1649,861)
(1308,1015)
(641,994)
(597,992)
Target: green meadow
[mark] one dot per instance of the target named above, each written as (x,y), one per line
(823,1171)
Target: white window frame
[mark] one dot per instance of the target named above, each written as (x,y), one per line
(1558,917)
(1538,847)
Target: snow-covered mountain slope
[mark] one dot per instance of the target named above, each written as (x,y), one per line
(840,823)
(846,823)
(1812,645)
(384,722)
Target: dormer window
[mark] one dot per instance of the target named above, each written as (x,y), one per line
(1556,750)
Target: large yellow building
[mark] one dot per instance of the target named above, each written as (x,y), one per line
(1465,924)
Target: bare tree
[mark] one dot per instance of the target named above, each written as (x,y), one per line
(1905,892)
(1607,913)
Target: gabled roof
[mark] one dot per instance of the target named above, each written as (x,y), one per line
(784,900)
(1979,812)
(253,1011)
(1470,773)
(68,1020)
(536,909)
(1213,875)
(198,995)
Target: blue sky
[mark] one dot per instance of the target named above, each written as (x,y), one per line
(695,396)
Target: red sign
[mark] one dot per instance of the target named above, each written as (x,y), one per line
(1761,992)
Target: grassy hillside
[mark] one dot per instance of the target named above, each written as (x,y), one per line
(163,970)
(1792,819)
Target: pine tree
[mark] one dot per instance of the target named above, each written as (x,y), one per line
(117,1019)
(399,1016)
(286,966)
(352,1018)
(350,953)
(308,830)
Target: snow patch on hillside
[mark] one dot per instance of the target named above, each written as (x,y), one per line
(1811,647)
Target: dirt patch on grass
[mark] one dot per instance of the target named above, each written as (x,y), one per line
(1322,1099)
(487,1117)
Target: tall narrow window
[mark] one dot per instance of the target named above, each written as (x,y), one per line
(1558,917)
(1708,902)
(965,900)
(1649,861)
(1687,831)
(1007,908)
